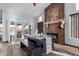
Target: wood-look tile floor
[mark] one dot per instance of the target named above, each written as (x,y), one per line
(7,49)
(3,49)
(66,49)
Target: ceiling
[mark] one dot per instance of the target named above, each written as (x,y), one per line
(24,9)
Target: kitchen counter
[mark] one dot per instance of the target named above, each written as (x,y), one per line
(38,44)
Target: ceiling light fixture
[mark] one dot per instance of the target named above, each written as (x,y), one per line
(34,4)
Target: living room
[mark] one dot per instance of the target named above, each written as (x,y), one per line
(20,21)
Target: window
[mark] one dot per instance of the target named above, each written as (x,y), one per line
(40,19)
(74,26)
(77,6)
(0,27)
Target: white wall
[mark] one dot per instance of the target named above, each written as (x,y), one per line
(70,8)
(5,36)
